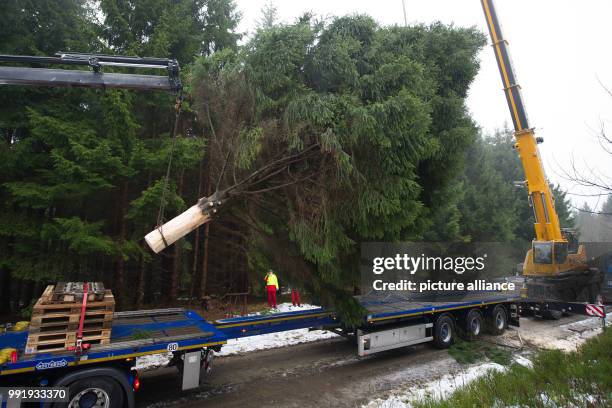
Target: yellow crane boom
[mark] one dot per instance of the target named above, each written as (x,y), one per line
(547,226)
(555,268)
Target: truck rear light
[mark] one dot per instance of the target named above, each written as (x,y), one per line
(136,384)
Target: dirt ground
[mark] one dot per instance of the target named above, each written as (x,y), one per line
(328,372)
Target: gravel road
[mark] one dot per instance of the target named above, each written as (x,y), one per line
(328,372)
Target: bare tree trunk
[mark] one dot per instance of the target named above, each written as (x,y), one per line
(118,279)
(5,290)
(27,293)
(140,283)
(206,239)
(196,241)
(18,293)
(176,259)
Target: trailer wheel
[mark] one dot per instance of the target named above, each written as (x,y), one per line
(95,392)
(552,314)
(472,324)
(497,321)
(444,332)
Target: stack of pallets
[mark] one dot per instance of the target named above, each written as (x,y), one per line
(56,316)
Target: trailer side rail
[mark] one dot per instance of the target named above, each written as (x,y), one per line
(420,309)
(246,326)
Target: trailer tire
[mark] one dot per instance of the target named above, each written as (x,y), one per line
(207,363)
(95,392)
(497,321)
(473,324)
(552,314)
(444,332)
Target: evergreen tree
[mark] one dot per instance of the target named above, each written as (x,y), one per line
(31,201)
(563,207)
(341,132)
(488,206)
(322,135)
(83,169)
(493,209)
(269,16)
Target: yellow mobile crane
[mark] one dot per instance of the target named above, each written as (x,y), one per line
(555,268)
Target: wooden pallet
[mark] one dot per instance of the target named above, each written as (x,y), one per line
(58,341)
(58,318)
(57,325)
(46,304)
(55,318)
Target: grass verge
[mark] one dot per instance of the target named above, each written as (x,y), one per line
(578,379)
(469,352)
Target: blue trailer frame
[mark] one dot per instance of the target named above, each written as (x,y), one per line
(380,310)
(186,333)
(124,341)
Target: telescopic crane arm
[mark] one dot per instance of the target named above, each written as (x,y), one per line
(93,78)
(550,254)
(547,226)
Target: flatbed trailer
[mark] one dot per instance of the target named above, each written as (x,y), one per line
(391,321)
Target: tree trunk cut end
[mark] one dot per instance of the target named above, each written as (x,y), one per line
(175,229)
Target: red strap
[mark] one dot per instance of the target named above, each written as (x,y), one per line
(83,308)
(78,345)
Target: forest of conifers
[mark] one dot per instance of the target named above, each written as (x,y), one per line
(363,131)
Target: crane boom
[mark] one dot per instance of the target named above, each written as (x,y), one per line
(547,227)
(553,268)
(80,78)
(93,78)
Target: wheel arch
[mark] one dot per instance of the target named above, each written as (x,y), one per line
(115,373)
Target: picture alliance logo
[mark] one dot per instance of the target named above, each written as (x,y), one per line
(411,264)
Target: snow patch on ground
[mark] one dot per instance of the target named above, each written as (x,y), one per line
(249,344)
(152,361)
(437,389)
(584,401)
(284,308)
(275,340)
(566,337)
(587,324)
(521,360)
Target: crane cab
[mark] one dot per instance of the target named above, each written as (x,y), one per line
(551,258)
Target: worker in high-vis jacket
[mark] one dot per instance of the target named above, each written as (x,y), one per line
(271,287)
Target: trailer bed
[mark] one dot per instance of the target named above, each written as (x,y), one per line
(134,334)
(384,306)
(380,307)
(140,333)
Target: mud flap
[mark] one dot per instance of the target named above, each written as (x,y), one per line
(191,370)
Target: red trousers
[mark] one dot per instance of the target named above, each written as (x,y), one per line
(271,295)
(295,297)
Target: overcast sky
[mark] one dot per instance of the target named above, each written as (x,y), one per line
(559,47)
